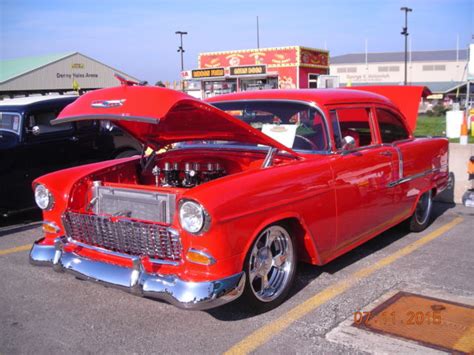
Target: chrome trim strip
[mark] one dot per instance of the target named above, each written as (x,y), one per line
(170,288)
(269,157)
(121,255)
(106,117)
(400,157)
(412,177)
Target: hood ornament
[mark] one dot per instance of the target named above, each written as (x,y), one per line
(107,103)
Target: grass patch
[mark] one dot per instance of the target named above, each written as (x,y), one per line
(434,126)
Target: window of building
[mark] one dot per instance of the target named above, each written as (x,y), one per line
(313,81)
(389,68)
(431,67)
(347,70)
(353,122)
(391,126)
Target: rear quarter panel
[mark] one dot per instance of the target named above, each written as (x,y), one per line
(426,161)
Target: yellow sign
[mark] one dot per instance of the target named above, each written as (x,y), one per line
(207,73)
(248,70)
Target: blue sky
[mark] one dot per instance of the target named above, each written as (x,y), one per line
(139,38)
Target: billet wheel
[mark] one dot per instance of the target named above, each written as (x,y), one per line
(422,216)
(270,266)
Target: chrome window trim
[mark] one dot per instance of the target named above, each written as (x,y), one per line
(400,158)
(311,104)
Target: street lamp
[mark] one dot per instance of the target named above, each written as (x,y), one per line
(181,50)
(405,33)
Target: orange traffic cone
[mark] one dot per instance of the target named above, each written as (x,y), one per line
(463,138)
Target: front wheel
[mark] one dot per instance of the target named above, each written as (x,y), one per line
(270,268)
(422,216)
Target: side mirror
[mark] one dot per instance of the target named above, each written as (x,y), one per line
(348,143)
(35,130)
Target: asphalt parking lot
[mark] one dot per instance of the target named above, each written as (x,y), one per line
(42,311)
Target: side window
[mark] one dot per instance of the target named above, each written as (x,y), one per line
(391,126)
(43,119)
(354,122)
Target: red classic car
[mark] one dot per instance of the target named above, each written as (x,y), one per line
(237,190)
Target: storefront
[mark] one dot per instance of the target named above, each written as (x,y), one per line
(258,69)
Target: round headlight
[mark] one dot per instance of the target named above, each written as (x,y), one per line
(43,197)
(191,216)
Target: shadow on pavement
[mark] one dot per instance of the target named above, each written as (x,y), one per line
(307,273)
(20,222)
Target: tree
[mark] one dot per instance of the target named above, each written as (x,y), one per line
(160,84)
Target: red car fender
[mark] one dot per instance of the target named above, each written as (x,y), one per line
(306,247)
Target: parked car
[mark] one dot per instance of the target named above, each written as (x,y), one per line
(30,146)
(237,190)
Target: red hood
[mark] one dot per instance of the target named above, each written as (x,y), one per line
(407,98)
(158,117)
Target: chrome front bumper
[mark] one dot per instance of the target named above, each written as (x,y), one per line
(183,294)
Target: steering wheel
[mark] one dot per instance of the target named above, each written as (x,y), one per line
(307,141)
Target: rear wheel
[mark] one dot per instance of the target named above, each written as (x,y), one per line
(422,216)
(270,269)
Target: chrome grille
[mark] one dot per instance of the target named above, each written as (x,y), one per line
(123,235)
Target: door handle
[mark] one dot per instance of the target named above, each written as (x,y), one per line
(74,139)
(386,154)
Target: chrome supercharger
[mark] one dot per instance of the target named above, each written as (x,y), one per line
(188,175)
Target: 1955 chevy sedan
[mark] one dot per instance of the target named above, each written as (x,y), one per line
(237,190)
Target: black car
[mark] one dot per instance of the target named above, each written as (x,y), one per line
(30,146)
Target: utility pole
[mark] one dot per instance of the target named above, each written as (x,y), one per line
(181,50)
(405,33)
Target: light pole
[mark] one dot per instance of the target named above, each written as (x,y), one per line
(181,50)
(405,33)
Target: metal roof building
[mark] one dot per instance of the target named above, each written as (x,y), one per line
(55,73)
(443,71)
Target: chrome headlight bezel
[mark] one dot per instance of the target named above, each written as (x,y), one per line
(201,214)
(43,197)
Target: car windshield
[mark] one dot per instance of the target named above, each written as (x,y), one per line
(295,125)
(10,121)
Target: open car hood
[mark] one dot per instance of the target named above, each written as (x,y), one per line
(158,117)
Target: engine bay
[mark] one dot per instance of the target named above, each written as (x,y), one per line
(186,174)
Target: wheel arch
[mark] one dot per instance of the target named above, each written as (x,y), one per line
(305,245)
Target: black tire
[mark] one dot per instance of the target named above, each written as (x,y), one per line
(126,154)
(279,278)
(421,218)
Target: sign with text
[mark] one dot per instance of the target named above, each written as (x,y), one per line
(248,70)
(207,73)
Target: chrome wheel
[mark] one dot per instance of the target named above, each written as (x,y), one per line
(271,263)
(423,208)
